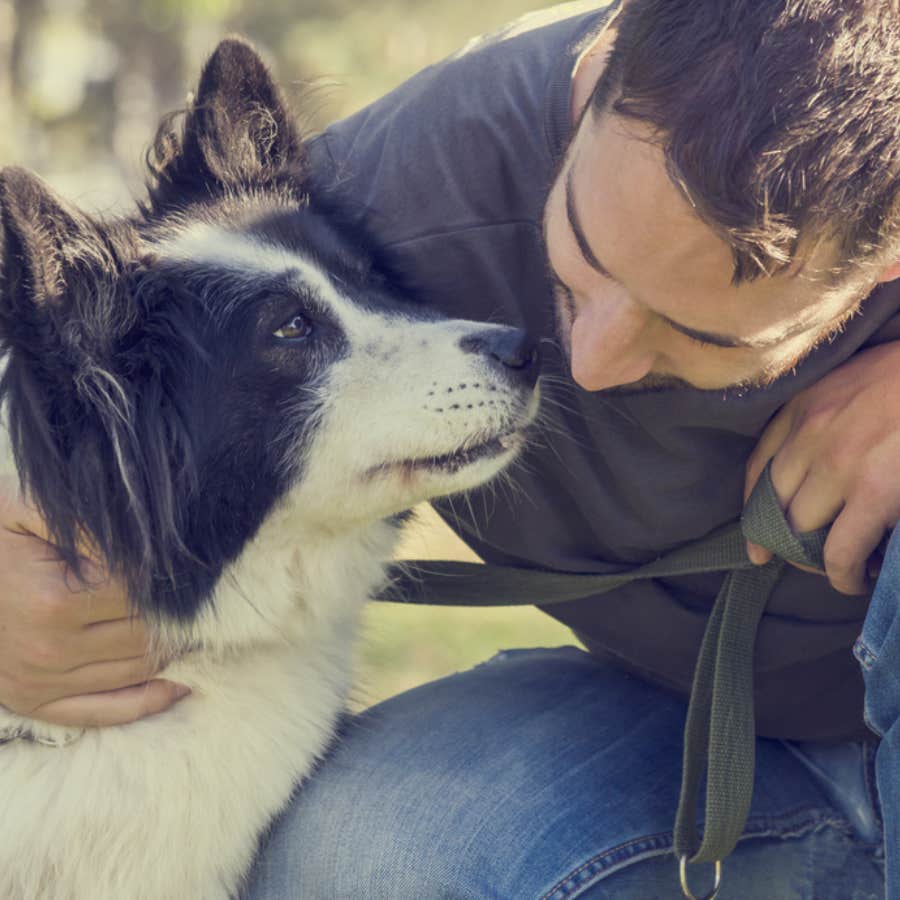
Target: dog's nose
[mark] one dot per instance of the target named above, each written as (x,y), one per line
(512,350)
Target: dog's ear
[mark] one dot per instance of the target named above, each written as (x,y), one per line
(42,238)
(240,124)
(238,133)
(53,261)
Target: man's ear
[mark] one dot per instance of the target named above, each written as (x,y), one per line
(238,132)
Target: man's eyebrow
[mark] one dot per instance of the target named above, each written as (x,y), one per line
(575,224)
(706,337)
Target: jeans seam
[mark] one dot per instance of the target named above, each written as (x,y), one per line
(660,841)
(655,844)
(871,782)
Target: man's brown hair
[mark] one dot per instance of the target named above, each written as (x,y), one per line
(780,119)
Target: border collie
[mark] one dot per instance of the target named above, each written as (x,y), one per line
(223,397)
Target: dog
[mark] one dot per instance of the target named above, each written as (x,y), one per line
(224,396)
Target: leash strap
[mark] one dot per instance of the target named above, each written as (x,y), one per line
(720,731)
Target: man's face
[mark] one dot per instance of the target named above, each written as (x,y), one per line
(643,286)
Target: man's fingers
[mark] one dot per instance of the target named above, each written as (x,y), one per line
(786,479)
(776,433)
(64,599)
(854,534)
(101,595)
(49,655)
(69,651)
(112,707)
(759,556)
(54,596)
(113,639)
(854,537)
(815,503)
(99,677)
(20,516)
(25,697)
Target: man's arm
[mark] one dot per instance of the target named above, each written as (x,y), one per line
(70,653)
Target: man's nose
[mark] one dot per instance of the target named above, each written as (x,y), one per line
(611,344)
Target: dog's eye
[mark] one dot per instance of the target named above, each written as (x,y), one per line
(295,328)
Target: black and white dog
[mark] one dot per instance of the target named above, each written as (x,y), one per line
(222,397)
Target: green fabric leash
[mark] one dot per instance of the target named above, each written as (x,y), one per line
(720,731)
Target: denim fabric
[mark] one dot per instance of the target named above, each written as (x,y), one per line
(878,651)
(547,774)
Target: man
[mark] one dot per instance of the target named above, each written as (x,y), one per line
(718,204)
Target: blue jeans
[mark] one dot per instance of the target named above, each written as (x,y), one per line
(878,652)
(547,774)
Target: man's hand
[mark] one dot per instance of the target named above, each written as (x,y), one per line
(835,451)
(69,653)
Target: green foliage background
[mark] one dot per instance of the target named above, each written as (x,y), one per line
(82,85)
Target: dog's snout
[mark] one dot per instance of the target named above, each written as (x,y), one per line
(515,352)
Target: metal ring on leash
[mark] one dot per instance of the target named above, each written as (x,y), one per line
(685,887)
